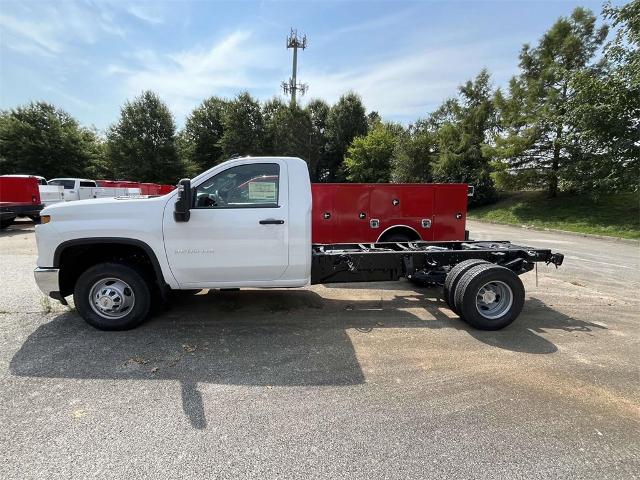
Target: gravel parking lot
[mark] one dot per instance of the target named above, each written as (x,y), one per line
(372,381)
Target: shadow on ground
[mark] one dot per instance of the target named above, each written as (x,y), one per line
(256,337)
(19,228)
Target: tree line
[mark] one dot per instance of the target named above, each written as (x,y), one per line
(569,120)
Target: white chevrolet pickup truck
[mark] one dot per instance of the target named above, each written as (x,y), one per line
(247,223)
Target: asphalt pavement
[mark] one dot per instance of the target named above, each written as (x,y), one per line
(345,381)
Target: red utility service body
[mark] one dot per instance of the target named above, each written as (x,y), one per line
(374,212)
(20,190)
(145,188)
(19,196)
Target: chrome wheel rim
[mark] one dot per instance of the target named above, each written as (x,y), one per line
(494,299)
(111,298)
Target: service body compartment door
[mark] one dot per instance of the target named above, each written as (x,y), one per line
(323,215)
(417,209)
(351,204)
(403,206)
(238,230)
(450,211)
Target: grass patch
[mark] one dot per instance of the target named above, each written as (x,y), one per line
(616,215)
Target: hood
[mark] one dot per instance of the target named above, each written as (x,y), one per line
(105,207)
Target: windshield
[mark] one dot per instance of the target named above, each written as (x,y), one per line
(66,184)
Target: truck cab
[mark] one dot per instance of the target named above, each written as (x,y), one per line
(248,225)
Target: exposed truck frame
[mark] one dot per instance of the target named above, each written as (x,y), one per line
(377,262)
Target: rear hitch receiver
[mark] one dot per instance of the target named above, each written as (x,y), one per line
(556,259)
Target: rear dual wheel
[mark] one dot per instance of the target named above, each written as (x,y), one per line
(488,296)
(453,278)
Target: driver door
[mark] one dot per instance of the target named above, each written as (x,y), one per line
(238,230)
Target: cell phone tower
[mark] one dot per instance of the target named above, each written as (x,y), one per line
(292,86)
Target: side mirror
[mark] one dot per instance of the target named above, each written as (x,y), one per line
(183,203)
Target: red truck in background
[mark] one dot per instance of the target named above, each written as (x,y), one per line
(19,197)
(145,188)
(387,212)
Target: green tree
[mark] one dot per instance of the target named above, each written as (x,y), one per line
(141,146)
(269,110)
(347,119)
(605,111)
(368,158)
(415,152)
(203,130)
(40,139)
(243,127)
(99,165)
(289,130)
(318,111)
(468,123)
(534,114)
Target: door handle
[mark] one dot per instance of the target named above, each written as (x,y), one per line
(271,221)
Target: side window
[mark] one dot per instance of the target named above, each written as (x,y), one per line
(87,184)
(66,184)
(245,186)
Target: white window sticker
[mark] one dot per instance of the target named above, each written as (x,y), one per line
(262,191)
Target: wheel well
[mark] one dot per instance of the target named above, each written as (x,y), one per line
(76,259)
(409,232)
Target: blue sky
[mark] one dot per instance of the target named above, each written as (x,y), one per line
(404,58)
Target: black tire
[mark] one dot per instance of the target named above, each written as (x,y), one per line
(453,278)
(6,223)
(470,286)
(133,278)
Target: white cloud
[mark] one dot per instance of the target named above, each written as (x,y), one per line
(28,35)
(47,28)
(145,14)
(184,79)
(407,85)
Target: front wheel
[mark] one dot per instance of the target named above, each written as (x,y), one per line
(112,296)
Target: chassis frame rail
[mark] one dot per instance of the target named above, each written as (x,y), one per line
(370,262)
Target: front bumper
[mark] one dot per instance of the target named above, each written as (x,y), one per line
(47,281)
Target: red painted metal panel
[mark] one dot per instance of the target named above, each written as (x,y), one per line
(164,189)
(417,203)
(149,189)
(19,190)
(146,188)
(351,202)
(450,211)
(323,218)
(392,205)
